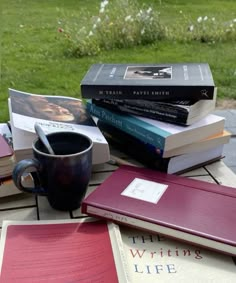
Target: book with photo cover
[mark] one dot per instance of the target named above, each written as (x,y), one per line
(52,113)
(150,157)
(169,81)
(152,257)
(164,136)
(192,211)
(61,251)
(182,112)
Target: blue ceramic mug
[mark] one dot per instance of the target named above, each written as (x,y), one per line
(64,176)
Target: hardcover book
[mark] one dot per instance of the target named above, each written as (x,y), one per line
(187,81)
(7,157)
(61,251)
(150,157)
(53,113)
(164,136)
(182,112)
(152,257)
(190,210)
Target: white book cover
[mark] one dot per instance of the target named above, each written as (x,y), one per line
(53,114)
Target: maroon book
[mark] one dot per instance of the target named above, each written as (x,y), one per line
(5,149)
(194,211)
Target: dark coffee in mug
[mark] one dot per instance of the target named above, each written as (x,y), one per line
(64,176)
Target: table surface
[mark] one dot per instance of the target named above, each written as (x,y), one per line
(28,207)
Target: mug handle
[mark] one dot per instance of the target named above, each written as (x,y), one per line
(20,169)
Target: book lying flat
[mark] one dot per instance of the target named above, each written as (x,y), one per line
(150,157)
(61,251)
(152,257)
(183,112)
(162,135)
(169,81)
(53,113)
(129,143)
(190,210)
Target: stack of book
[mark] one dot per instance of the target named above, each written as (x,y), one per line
(159,114)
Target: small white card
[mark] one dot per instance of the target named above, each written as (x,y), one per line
(145,190)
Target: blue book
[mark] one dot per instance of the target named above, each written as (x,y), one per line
(162,135)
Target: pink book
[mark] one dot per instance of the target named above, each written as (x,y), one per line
(193,211)
(5,149)
(59,251)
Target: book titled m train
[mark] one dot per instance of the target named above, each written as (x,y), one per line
(173,81)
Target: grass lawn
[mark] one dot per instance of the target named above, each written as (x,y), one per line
(33,58)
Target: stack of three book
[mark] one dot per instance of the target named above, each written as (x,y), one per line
(162,120)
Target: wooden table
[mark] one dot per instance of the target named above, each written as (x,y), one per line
(28,207)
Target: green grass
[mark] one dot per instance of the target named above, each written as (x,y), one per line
(33,58)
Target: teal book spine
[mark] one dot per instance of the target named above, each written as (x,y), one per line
(140,129)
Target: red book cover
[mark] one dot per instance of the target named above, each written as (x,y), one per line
(5,149)
(60,251)
(190,210)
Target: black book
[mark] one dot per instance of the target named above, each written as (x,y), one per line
(173,81)
(182,112)
(151,156)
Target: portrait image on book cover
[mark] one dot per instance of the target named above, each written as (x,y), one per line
(148,72)
(52,108)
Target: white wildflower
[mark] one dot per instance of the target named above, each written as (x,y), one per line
(191,28)
(213,19)
(143,31)
(94,26)
(98,20)
(199,19)
(181,12)
(104,3)
(231,25)
(90,33)
(128,18)
(101,10)
(21,26)
(205,18)
(149,10)
(234,20)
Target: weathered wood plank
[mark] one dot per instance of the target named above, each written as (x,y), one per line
(222,174)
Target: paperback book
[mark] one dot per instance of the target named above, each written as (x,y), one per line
(172,81)
(182,112)
(129,143)
(61,251)
(152,158)
(162,135)
(152,257)
(52,113)
(192,211)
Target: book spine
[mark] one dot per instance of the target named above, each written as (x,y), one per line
(129,220)
(142,152)
(131,125)
(139,104)
(159,93)
(170,115)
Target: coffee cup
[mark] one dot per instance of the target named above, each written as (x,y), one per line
(64,176)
